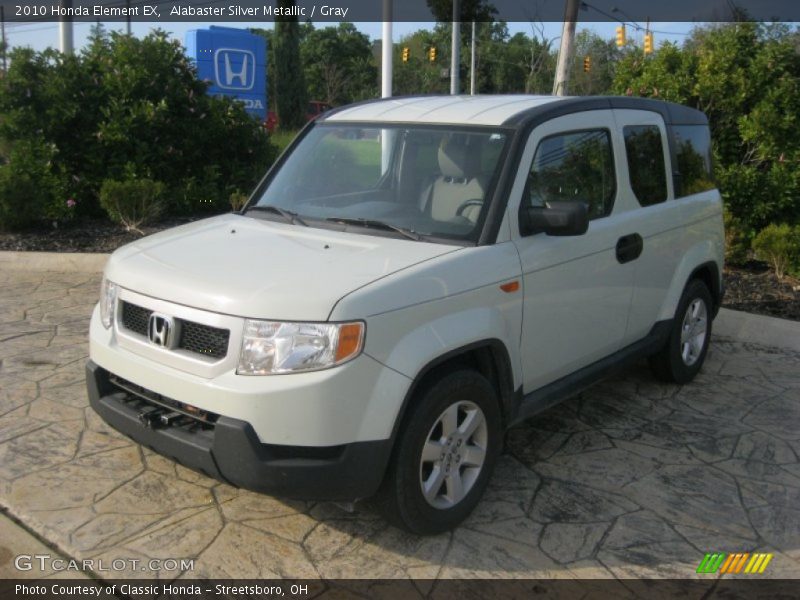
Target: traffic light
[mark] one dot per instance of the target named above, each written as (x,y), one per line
(587,64)
(406,52)
(620,36)
(432,54)
(648,43)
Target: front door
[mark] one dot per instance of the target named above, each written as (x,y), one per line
(577,289)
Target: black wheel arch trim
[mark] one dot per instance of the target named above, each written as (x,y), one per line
(501,364)
(717,286)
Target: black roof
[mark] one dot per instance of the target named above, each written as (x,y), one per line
(673,114)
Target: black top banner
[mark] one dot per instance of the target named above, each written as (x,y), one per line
(398,10)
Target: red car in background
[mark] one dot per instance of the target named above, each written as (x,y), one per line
(315,108)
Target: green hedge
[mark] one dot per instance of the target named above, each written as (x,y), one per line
(122,109)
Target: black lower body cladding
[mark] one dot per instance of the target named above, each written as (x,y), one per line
(229,450)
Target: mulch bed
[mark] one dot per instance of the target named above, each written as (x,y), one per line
(85,236)
(752,287)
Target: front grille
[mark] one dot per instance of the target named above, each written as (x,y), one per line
(135,318)
(205,340)
(195,337)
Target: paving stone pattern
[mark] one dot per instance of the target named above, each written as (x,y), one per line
(631,479)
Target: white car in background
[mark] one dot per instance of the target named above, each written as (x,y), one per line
(411,278)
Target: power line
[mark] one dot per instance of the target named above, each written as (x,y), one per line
(632,23)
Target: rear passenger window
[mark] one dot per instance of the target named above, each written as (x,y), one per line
(693,150)
(576,166)
(646,163)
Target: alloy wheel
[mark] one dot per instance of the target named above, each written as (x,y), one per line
(453,454)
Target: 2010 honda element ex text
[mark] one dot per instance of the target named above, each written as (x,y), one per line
(412,277)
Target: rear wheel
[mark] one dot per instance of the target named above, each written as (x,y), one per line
(445,454)
(683,355)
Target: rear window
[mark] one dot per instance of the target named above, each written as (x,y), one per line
(693,164)
(645,153)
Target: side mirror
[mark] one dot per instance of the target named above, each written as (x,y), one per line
(558,218)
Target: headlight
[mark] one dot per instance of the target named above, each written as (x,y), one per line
(272,347)
(108,302)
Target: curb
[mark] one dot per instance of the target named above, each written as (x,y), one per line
(70,262)
(758,329)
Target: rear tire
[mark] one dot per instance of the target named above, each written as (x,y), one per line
(445,454)
(682,356)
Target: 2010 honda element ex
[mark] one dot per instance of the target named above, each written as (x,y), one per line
(410,279)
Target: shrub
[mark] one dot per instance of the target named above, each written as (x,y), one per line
(780,246)
(132,202)
(126,101)
(201,193)
(737,243)
(29,191)
(238,200)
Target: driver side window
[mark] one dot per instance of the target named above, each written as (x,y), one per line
(574,167)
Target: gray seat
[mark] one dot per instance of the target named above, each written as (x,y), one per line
(448,197)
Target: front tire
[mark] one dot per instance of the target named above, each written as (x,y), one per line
(683,355)
(445,454)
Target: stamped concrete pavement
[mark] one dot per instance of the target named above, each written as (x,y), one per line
(632,478)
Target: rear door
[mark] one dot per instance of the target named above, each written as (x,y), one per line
(646,188)
(577,294)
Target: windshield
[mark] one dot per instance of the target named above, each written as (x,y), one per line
(420,182)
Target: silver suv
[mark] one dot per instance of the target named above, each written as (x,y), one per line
(411,278)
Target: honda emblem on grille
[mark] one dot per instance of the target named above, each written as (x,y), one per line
(162,330)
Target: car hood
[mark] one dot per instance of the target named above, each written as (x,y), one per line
(258,268)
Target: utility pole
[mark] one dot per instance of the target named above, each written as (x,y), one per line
(455,49)
(128,17)
(65,29)
(567,48)
(472,63)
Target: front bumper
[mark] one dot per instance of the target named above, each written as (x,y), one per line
(229,450)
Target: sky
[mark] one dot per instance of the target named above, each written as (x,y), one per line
(41,35)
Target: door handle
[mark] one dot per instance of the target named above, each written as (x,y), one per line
(629,247)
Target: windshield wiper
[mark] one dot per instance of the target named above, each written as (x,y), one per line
(375,224)
(291,217)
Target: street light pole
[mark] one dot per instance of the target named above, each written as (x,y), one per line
(455,49)
(386,51)
(3,25)
(472,63)
(65,29)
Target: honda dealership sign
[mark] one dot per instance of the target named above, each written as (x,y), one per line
(235,62)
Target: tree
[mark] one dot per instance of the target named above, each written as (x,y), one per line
(419,75)
(471,10)
(291,97)
(746,78)
(517,64)
(269,37)
(603,55)
(338,64)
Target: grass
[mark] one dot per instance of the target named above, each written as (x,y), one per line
(282,138)
(358,164)
(359,161)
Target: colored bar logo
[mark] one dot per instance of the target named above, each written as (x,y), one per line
(738,562)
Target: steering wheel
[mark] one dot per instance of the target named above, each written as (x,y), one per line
(466,204)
